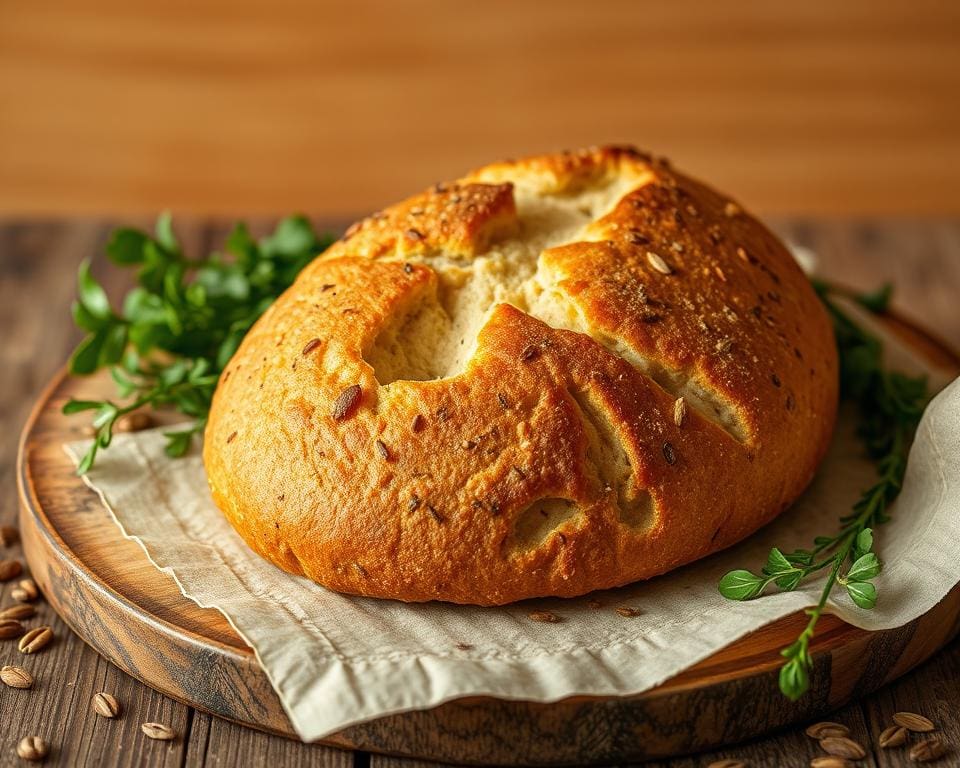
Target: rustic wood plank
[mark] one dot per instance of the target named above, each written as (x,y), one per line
(216,743)
(37,264)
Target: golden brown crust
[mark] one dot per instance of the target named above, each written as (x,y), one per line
(556,460)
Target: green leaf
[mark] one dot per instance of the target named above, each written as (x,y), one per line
(863,593)
(88,458)
(76,406)
(790,581)
(865,568)
(91,294)
(240,243)
(794,679)
(293,236)
(125,387)
(776,563)
(876,301)
(165,234)
(115,342)
(86,321)
(863,544)
(86,356)
(178,443)
(740,585)
(126,246)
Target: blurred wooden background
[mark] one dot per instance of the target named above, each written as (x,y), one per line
(239,107)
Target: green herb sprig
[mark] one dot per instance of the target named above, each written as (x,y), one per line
(182,322)
(890,405)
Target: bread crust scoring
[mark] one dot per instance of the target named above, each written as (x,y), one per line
(554,375)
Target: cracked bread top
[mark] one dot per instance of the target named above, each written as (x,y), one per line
(554,375)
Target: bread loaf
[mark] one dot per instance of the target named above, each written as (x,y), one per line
(552,376)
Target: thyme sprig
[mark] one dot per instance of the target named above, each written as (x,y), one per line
(182,322)
(890,406)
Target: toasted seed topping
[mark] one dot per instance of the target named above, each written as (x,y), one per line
(310,346)
(414,503)
(679,411)
(464,647)
(232,437)
(501,398)
(415,234)
(669,454)
(529,353)
(346,403)
(628,612)
(383,450)
(731,209)
(544,617)
(434,514)
(418,423)
(408,268)
(656,261)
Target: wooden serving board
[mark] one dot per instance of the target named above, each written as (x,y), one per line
(109,593)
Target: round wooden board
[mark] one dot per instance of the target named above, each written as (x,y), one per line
(109,593)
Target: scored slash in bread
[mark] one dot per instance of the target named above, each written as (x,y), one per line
(554,375)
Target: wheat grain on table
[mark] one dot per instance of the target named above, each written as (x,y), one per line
(37,263)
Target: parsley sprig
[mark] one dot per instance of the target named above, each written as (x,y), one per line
(890,405)
(182,322)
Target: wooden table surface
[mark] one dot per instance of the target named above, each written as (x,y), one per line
(37,265)
(227,106)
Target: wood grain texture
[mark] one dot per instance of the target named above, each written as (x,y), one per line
(36,266)
(241,106)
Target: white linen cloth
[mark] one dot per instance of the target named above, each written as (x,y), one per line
(336,660)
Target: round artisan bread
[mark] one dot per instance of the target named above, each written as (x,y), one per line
(552,376)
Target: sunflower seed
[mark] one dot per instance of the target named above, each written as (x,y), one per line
(21,611)
(35,640)
(545,617)
(913,722)
(10,569)
(928,750)
(346,403)
(825,729)
(894,736)
(656,261)
(16,677)
(158,731)
(25,591)
(32,748)
(679,411)
(10,628)
(627,612)
(830,762)
(841,746)
(106,705)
